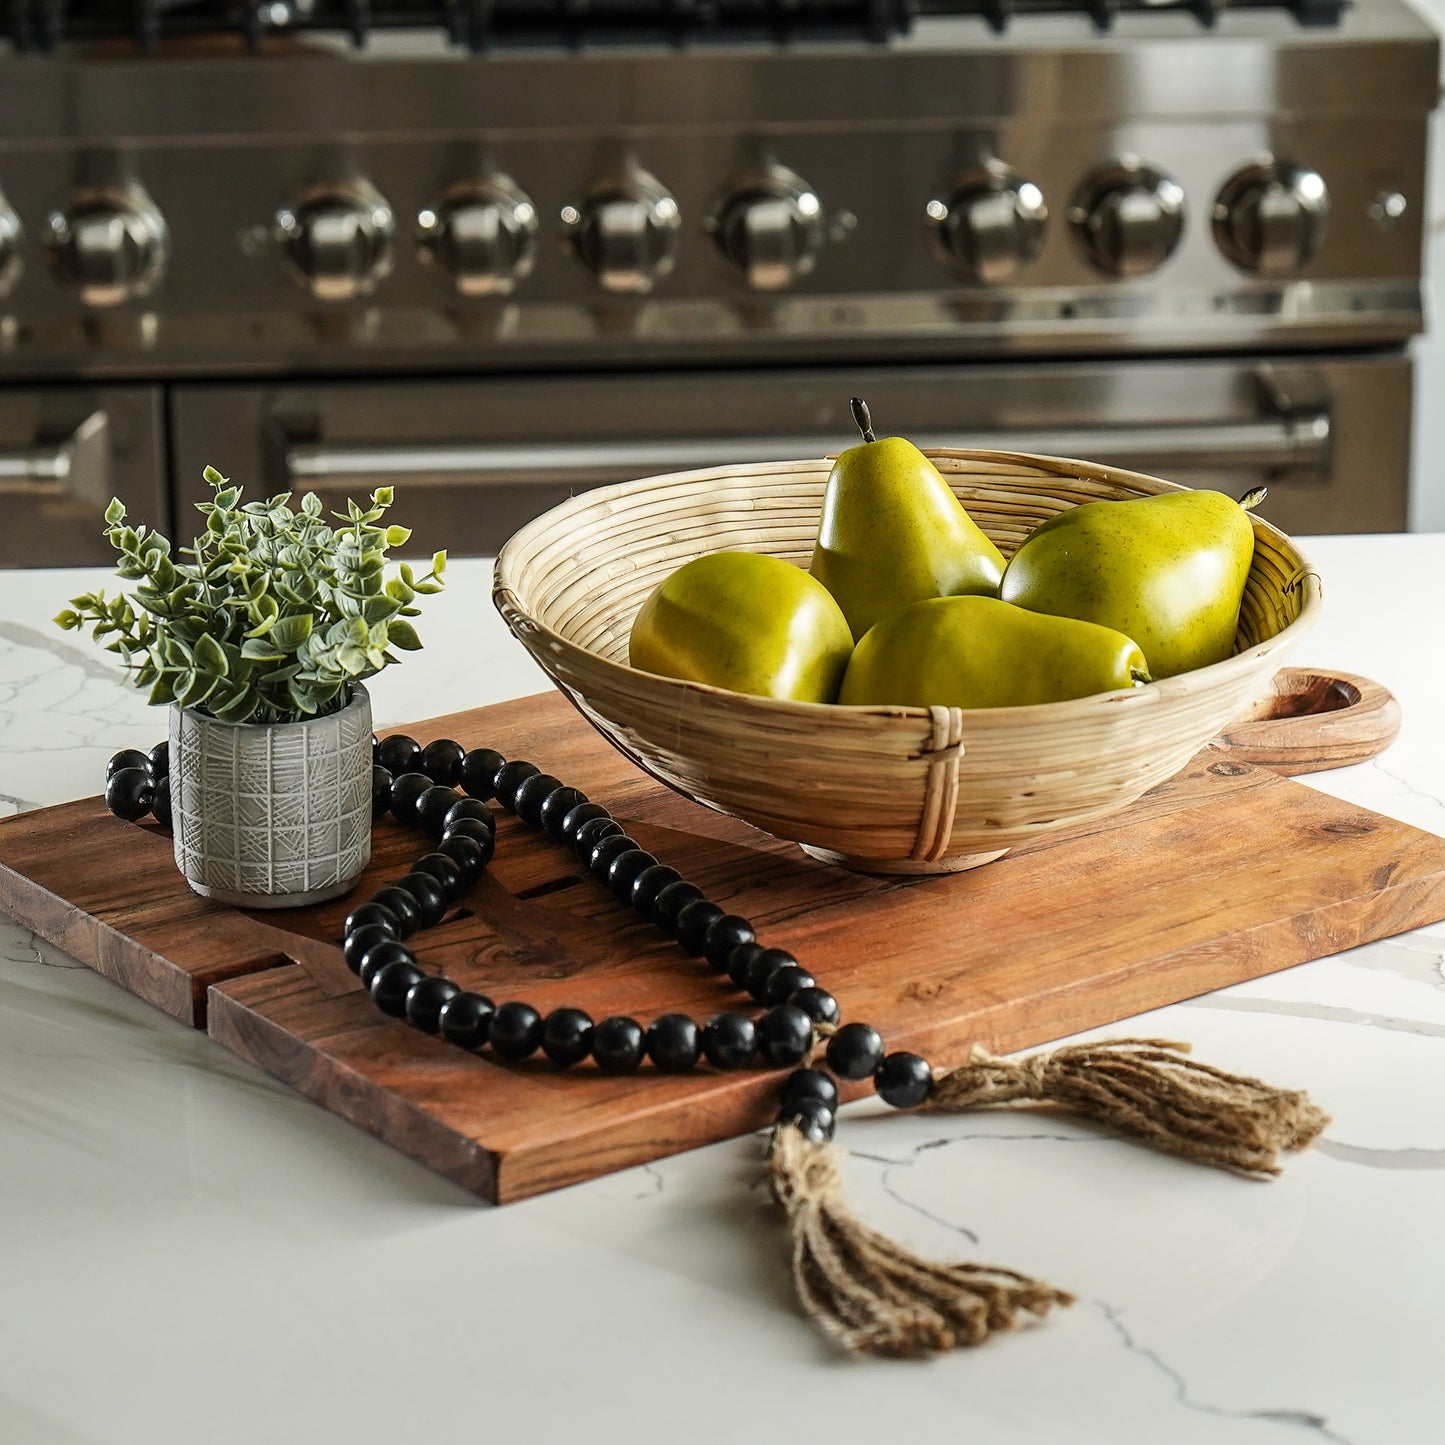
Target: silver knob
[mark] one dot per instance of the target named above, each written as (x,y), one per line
(110,245)
(625,232)
(771,228)
(336,240)
(1128,218)
(483,234)
(1270,219)
(993,223)
(9,246)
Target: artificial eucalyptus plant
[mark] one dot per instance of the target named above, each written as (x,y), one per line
(270,616)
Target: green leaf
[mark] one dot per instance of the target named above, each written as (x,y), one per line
(291,631)
(397,536)
(438,563)
(69,619)
(164,690)
(115,512)
(211,475)
(210,658)
(260,649)
(400,633)
(238,708)
(311,505)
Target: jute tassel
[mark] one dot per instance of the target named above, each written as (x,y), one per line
(1147,1088)
(865,1291)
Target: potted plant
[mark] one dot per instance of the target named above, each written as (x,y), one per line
(259,638)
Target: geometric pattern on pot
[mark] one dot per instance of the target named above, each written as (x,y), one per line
(273,813)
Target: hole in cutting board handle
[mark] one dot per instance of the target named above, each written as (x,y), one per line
(1311,720)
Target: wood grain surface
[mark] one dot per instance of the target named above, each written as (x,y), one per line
(1226,872)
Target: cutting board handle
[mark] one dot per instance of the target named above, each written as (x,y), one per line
(1311,720)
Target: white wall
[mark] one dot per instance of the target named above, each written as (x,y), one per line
(1427,484)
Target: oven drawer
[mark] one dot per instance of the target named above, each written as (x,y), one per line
(474,459)
(64,452)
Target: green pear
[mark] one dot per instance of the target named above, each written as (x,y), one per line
(892,532)
(980,652)
(747,622)
(1168,570)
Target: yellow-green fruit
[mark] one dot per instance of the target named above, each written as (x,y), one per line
(980,652)
(1168,570)
(747,622)
(892,532)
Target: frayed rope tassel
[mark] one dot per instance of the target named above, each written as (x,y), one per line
(868,1293)
(1147,1088)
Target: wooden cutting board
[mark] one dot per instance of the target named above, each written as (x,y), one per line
(1226,872)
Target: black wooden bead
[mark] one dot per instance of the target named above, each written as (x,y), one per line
(782,985)
(127,758)
(381,781)
(599,860)
(432,808)
(390,985)
(617,1044)
(903,1080)
(469,808)
(424,1002)
(441,761)
(673,1043)
(466,1020)
(817,1003)
(398,754)
(389,950)
(567,1035)
(763,967)
(726,933)
(648,884)
(406,792)
(479,772)
(466,853)
(692,925)
(161,802)
(403,905)
(510,777)
(810,1084)
(671,901)
(531,794)
(810,1117)
(740,960)
(359,940)
(574,818)
(555,807)
(729,1040)
(160,759)
(446,871)
(366,913)
(785,1034)
(431,897)
(855,1051)
(482,834)
(516,1031)
(624,869)
(592,832)
(129,791)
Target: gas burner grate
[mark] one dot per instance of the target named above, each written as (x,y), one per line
(480,25)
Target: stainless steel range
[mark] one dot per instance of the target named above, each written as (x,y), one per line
(495,252)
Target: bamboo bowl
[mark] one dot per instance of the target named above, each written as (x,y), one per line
(878,789)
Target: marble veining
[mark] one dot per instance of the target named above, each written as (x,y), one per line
(176,1223)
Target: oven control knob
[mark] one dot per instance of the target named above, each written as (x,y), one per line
(625,232)
(1128,218)
(483,234)
(336,240)
(1269,219)
(109,246)
(771,229)
(9,246)
(992,225)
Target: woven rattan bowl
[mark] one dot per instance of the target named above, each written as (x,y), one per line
(890,790)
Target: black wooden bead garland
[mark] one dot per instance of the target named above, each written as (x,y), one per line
(419,786)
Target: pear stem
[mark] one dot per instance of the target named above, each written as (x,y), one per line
(1141,678)
(1253,497)
(859,408)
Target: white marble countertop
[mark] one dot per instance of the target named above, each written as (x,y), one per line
(190,1253)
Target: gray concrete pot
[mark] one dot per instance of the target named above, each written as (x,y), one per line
(274,815)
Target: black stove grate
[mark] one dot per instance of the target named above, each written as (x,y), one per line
(480,25)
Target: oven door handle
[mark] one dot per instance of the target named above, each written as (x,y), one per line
(1299,441)
(77,468)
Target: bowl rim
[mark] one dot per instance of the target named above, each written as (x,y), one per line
(508,604)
